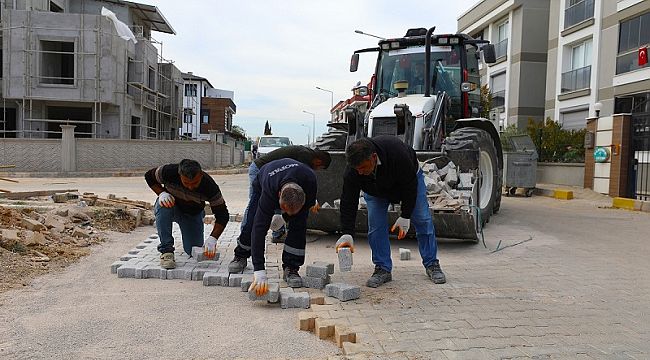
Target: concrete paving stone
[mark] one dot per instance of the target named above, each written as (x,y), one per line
(235,280)
(315,282)
(246,282)
(153,236)
(343,292)
(139,270)
(181,273)
(154,272)
(128,257)
(148,241)
(198,272)
(271,296)
(116,265)
(464,354)
(328,265)
(404,254)
(318,271)
(126,271)
(345,259)
(290,299)
(212,278)
(134,252)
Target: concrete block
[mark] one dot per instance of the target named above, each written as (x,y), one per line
(329,266)
(246,282)
(181,273)
(127,271)
(141,245)
(153,236)
(342,334)
(563,194)
(294,300)
(317,270)
(148,241)
(198,272)
(235,280)
(645,206)
(623,203)
(306,320)
(212,278)
(315,282)
(404,254)
(323,328)
(345,259)
(116,265)
(343,292)
(317,300)
(154,272)
(272,296)
(134,251)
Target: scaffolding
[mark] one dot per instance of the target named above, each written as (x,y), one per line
(84,85)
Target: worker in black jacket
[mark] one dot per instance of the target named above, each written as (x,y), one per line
(182,191)
(388,172)
(316,159)
(289,186)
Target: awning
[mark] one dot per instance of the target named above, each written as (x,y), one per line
(152,16)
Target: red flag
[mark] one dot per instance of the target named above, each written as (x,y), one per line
(643,56)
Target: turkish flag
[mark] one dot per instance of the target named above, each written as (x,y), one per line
(643,56)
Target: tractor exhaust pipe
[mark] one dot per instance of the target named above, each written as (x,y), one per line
(427,62)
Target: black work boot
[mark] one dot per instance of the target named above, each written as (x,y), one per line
(292,277)
(435,273)
(379,277)
(237,265)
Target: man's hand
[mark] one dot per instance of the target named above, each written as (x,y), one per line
(314,209)
(210,247)
(277,222)
(166,199)
(345,240)
(260,285)
(402,225)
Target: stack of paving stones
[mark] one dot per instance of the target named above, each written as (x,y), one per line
(143,262)
(318,275)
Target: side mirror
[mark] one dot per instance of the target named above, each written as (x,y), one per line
(489,55)
(354,62)
(351,117)
(467,87)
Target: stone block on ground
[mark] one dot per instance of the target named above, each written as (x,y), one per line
(198,272)
(330,266)
(323,328)
(235,280)
(246,282)
(306,320)
(272,296)
(127,270)
(345,259)
(317,300)
(153,236)
(115,265)
(81,233)
(180,273)
(154,271)
(342,334)
(343,292)
(32,225)
(34,238)
(128,257)
(315,282)
(294,300)
(320,270)
(404,254)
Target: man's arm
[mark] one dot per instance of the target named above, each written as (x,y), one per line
(349,202)
(154,184)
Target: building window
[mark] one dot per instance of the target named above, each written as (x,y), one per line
(578,11)
(205,116)
(578,75)
(574,120)
(498,90)
(190,90)
(152,78)
(501,40)
(187,115)
(632,35)
(54,7)
(57,62)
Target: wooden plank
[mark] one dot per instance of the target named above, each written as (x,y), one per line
(10,180)
(125,202)
(26,194)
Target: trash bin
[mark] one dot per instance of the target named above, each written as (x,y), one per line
(520,165)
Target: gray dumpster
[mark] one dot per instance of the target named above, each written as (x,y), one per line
(520,165)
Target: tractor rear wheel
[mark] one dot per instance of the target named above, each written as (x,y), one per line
(333,139)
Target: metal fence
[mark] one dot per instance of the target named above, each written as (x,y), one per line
(578,12)
(641,156)
(577,79)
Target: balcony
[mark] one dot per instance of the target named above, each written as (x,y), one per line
(578,13)
(577,79)
(627,62)
(498,99)
(501,48)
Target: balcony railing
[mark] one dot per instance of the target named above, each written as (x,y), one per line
(501,48)
(498,99)
(627,62)
(578,12)
(577,79)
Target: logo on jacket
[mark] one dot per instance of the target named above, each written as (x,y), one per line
(283,168)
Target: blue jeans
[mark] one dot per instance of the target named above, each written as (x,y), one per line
(420,219)
(253,170)
(191,228)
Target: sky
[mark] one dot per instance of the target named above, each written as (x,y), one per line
(273,54)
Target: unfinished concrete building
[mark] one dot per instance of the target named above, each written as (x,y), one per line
(64,63)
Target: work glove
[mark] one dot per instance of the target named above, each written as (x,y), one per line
(345,241)
(314,209)
(210,247)
(260,285)
(166,199)
(277,222)
(402,225)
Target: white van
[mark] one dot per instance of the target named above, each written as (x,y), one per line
(268,143)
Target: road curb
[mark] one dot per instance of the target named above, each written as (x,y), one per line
(561,194)
(114,173)
(631,204)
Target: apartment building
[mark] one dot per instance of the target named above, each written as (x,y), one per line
(217,110)
(195,88)
(594,52)
(518,29)
(64,63)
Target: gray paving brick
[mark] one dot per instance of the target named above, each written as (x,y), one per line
(126,271)
(116,265)
(246,282)
(153,236)
(315,282)
(320,270)
(404,254)
(343,292)
(272,296)
(345,259)
(330,266)
(134,252)
(128,257)
(235,280)
(139,270)
(181,273)
(294,300)
(152,271)
(198,272)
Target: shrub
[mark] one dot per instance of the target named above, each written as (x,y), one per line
(555,144)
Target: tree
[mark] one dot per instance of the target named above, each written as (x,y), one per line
(267,129)
(238,130)
(486,102)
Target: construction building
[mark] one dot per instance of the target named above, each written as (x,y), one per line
(64,63)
